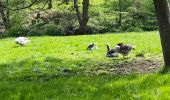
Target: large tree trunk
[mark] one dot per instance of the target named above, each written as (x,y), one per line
(82,18)
(85,17)
(50,4)
(163,17)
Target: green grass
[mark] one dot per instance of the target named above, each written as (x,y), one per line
(145,87)
(60,68)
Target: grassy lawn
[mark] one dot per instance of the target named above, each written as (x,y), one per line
(62,68)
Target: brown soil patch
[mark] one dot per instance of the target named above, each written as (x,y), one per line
(141,66)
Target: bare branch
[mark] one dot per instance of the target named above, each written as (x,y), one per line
(44,5)
(28,6)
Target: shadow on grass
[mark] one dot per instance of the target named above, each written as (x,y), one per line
(89,87)
(43,69)
(49,68)
(165,70)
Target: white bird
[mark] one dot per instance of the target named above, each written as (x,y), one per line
(22,41)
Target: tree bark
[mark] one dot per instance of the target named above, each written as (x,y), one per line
(2,12)
(120,14)
(163,17)
(77,11)
(5,15)
(50,4)
(82,18)
(85,17)
(8,16)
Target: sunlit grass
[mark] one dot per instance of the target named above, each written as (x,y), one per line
(146,87)
(51,55)
(62,47)
(58,68)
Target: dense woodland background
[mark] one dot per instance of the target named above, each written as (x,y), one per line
(59,17)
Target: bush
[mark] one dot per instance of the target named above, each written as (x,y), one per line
(102,24)
(53,30)
(17,31)
(45,29)
(34,32)
(134,29)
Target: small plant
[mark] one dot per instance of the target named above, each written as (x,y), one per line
(140,54)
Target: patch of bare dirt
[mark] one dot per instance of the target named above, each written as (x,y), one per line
(141,66)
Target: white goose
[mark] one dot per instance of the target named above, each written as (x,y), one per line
(22,41)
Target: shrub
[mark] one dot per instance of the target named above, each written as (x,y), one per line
(17,31)
(134,29)
(52,30)
(34,32)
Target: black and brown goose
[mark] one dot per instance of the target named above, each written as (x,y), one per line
(123,49)
(92,46)
(111,52)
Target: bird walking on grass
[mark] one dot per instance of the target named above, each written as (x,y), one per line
(111,52)
(124,49)
(22,41)
(92,46)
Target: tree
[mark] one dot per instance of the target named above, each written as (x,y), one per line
(65,1)
(5,10)
(120,14)
(163,17)
(5,14)
(82,18)
(50,4)
(7,6)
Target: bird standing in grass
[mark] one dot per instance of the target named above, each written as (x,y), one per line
(92,46)
(123,49)
(111,52)
(22,41)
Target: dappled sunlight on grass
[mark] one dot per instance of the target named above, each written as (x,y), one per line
(62,68)
(79,87)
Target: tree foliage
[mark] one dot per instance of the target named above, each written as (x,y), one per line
(100,16)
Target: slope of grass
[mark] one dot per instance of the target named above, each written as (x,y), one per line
(59,67)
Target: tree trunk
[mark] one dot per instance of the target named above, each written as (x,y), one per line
(5,16)
(120,14)
(8,16)
(77,11)
(2,12)
(82,18)
(163,17)
(85,17)
(50,4)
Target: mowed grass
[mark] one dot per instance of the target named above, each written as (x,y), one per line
(129,87)
(59,67)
